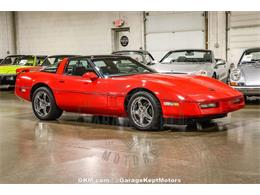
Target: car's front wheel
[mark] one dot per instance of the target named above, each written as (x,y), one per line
(44,105)
(144,111)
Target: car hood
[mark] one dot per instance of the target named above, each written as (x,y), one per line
(182,68)
(198,88)
(9,69)
(251,73)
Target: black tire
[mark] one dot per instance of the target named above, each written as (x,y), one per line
(156,123)
(53,112)
(246,99)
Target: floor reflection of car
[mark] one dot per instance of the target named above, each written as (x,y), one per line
(246,76)
(141,56)
(50,61)
(122,87)
(11,63)
(193,61)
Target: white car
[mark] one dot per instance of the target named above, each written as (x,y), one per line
(193,61)
(246,76)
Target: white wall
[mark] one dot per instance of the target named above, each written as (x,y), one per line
(6,34)
(217,33)
(74,32)
(167,31)
(85,32)
(243,33)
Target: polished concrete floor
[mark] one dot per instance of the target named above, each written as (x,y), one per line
(76,149)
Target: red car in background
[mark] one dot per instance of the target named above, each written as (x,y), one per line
(120,86)
(48,62)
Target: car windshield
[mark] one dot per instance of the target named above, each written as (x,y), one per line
(120,67)
(251,56)
(138,56)
(188,56)
(19,60)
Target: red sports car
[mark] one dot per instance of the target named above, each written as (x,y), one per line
(120,86)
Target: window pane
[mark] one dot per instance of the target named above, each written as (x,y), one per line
(78,67)
(110,67)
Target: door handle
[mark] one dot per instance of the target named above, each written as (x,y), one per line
(61,81)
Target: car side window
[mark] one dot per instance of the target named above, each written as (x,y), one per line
(78,67)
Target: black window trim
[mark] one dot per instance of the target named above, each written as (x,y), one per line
(79,58)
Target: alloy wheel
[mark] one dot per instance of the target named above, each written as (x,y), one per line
(42,104)
(142,111)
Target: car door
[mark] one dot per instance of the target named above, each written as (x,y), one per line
(79,94)
(68,91)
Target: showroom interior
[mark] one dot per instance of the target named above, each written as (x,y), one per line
(81,148)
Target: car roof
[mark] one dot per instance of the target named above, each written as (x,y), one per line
(137,51)
(93,57)
(190,50)
(63,55)
(20,55)
(41,56)
(253,48)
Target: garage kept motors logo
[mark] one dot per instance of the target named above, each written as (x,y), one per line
(124,41)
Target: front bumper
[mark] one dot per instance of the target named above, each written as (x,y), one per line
(7,80)
(193,111)
(188,121)
(248,90)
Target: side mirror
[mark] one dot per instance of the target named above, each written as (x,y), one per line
(220,62)
(90,75)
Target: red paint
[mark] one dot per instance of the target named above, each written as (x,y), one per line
(106,96)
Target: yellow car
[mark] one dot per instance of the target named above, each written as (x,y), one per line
(9,65)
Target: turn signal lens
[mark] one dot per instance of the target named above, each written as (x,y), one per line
(171,104)
(233,83)
(209,105)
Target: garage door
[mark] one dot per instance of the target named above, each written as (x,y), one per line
(243,32)
(174,30)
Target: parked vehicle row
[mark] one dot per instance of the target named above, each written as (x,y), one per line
(185,61)
(185,87)
(114,85)
(200,62)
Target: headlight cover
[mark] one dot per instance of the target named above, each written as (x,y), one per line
(236,75)
(209,105)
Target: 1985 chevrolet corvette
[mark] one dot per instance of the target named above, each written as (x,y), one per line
(120,86)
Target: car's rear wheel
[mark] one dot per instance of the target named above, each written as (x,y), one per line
(44,105)
(144,111)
